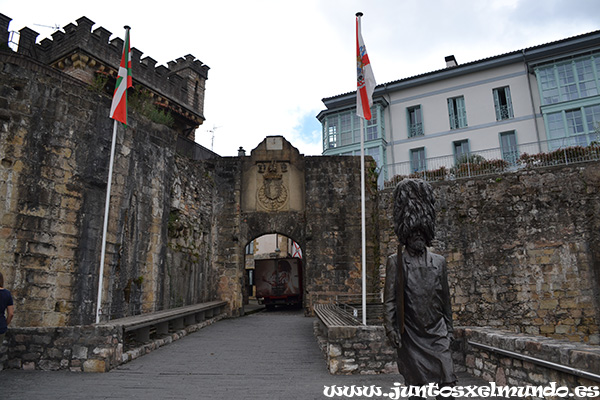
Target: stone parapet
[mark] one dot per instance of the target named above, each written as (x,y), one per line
(82,348)
(82,53)
(512,359)
(350,350)
(75,348)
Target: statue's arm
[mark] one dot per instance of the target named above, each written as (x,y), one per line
(447,305)
(389,302)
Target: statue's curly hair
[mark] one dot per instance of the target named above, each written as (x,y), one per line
(414,209)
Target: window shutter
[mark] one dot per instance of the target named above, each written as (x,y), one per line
(452,114)
(497,105)
(508,102)
(462,112)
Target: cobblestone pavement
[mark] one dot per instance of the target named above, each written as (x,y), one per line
(265,355)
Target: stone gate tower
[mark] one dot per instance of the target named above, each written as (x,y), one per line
(313,200)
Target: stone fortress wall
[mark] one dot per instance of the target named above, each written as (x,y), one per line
(82,53)
(522,250)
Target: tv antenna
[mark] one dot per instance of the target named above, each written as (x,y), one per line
(212,139)
(55,27)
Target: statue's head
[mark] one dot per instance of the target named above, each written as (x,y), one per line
(414,211)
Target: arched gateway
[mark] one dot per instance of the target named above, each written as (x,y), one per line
(314,200)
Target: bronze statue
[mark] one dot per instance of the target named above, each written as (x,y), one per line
(417,312)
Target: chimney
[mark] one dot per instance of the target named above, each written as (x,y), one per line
(241,152)
(451,61)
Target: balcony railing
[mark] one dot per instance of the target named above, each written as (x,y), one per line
(415,130)
(503,112)
(569,150)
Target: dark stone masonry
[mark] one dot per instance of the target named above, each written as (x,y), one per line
(522,250)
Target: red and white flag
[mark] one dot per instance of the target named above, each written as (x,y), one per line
(118,109)
(365,84)
(297,253)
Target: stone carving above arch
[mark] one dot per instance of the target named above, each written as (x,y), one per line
(273,194)
(273,178)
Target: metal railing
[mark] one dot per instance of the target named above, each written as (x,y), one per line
(352,304)
(563,151)
(415,129)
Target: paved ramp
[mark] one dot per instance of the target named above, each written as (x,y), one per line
(267,355)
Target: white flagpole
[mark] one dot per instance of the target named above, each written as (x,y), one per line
(105,225)
(363,219)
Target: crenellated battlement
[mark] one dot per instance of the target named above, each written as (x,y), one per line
(84,53)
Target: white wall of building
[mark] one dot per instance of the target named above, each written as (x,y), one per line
(569,73)
(482,131)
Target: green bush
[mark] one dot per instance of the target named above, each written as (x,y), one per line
(141,102)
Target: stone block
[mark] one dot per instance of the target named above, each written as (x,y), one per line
(563,329)
(470,361)
(586,360)
(334,350)
(500,377)
(334,366)
(31,357)
(549,304)
(478,363)
(55,353)
(28,366)
(348,366)
(79,352)
(537,378)
(49,365)
(93,365)
(547,329)
(103,352)
(390,368)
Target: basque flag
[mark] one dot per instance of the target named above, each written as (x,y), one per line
(118,109)
(365,79)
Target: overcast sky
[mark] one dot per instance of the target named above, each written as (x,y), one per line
(272,61)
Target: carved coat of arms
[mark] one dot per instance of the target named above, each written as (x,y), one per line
(273,194)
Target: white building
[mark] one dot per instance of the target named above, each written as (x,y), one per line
(532,100)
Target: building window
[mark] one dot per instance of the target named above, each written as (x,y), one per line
(592,122)
(508,146)
(457,112)
(574,127)
(569,80)
(415,121)
(503,103)
(371,126)
(330,132)
(343,128)
(461,151)
(417,160)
